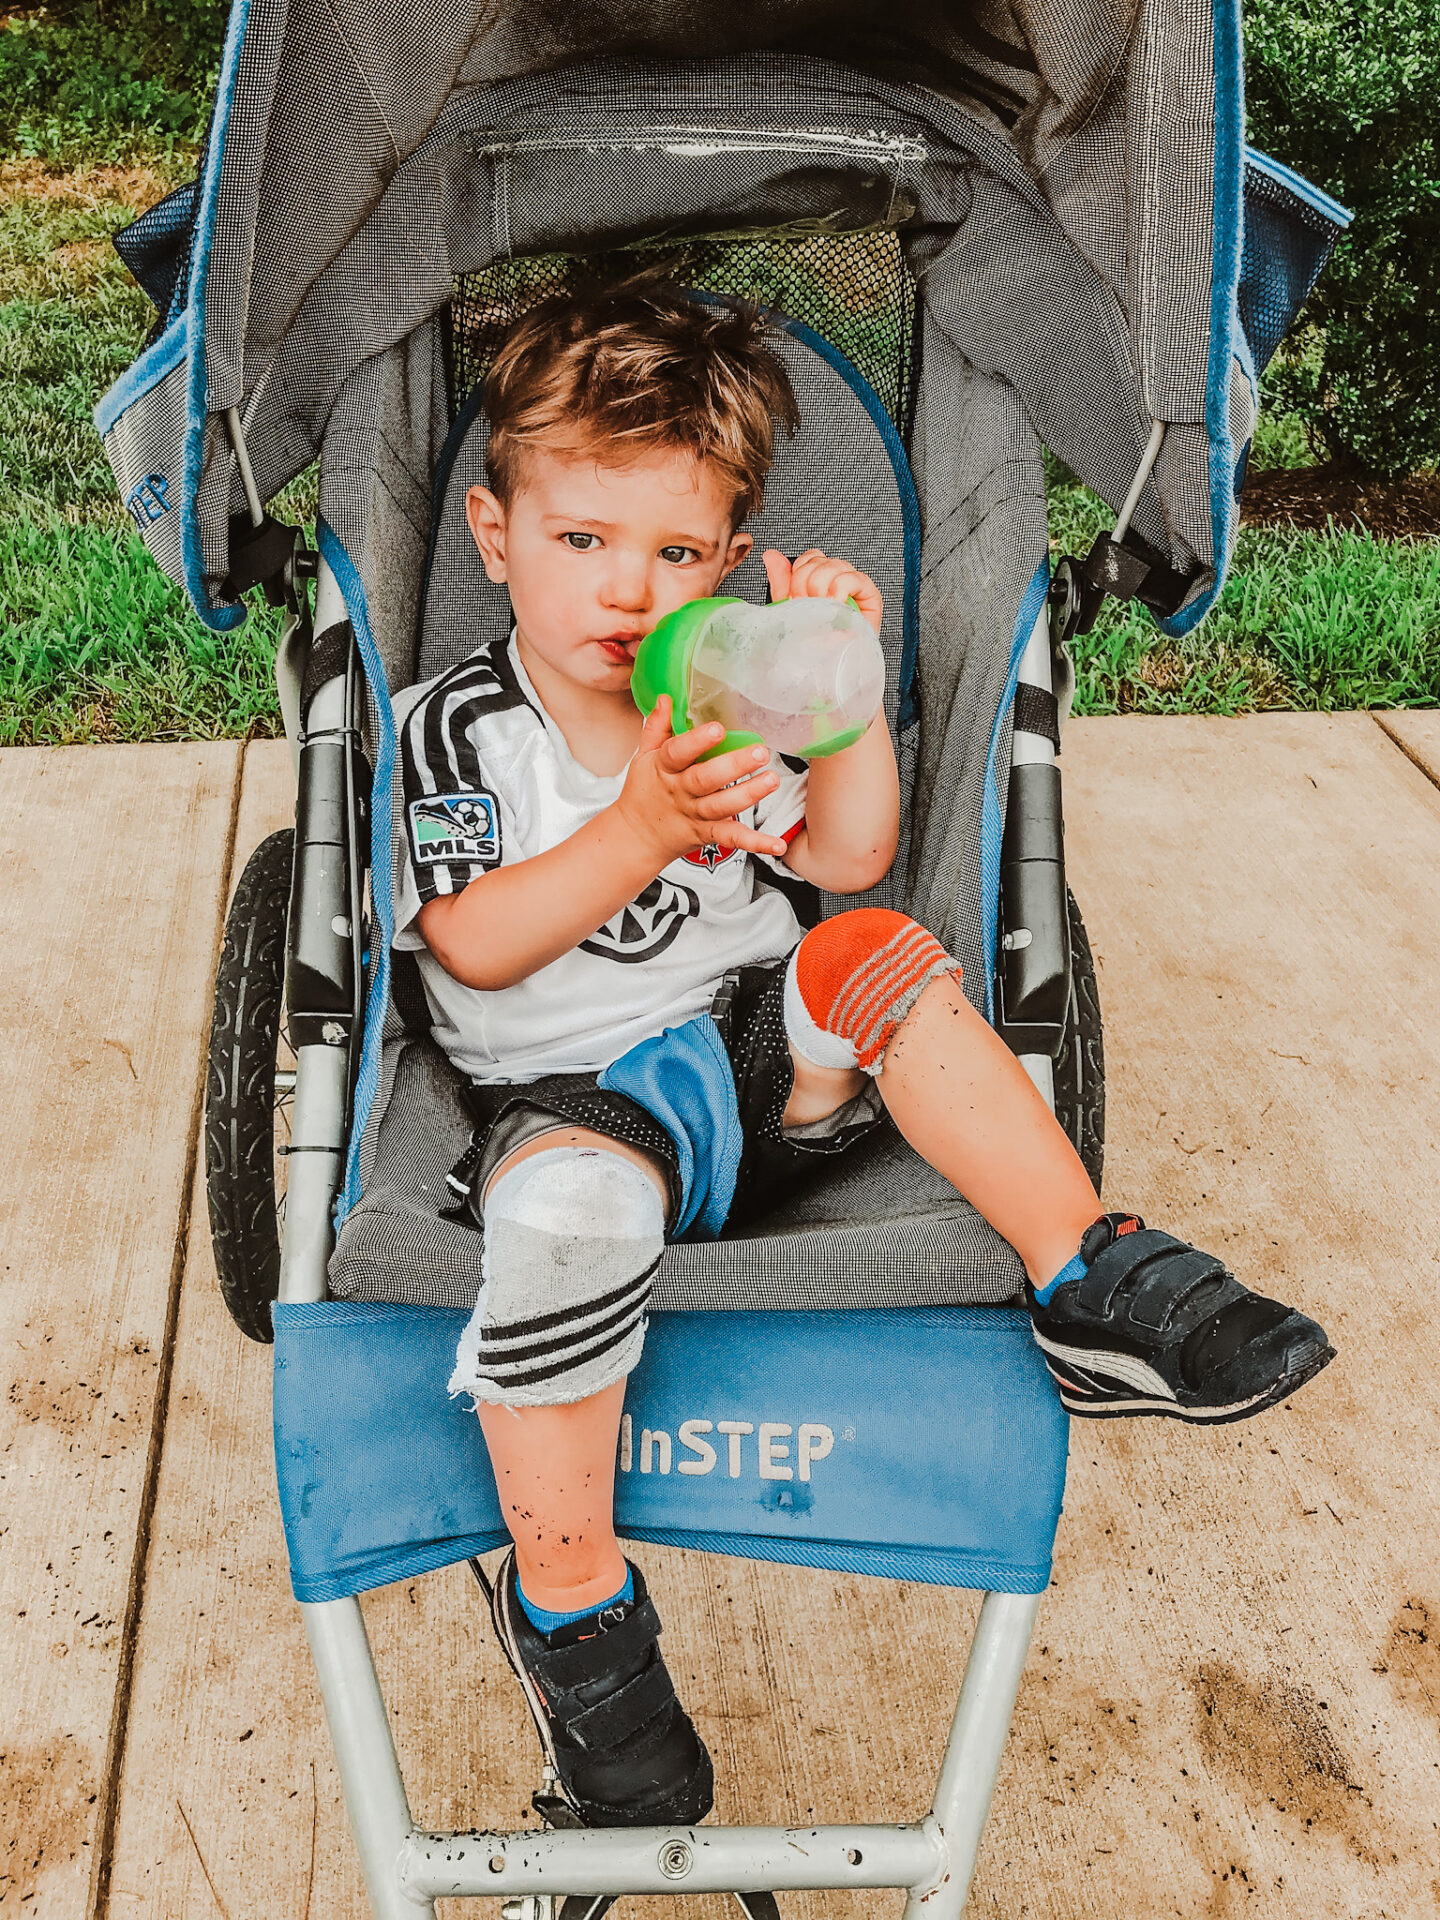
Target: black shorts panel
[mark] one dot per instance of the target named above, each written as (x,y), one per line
(752,1026)
(749,1011)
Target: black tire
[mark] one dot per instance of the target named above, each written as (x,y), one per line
(1080,1069)
(244,1171)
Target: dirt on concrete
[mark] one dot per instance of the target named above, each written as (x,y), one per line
(1272,1734)
(1411,1656)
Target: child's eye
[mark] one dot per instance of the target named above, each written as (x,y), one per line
(581,542)
(678,556)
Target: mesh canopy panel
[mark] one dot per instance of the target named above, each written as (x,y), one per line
(854,290)
(1287,242)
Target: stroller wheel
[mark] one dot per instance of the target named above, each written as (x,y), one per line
(1080,1068)
(249,1089)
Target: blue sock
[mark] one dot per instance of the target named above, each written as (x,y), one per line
(1072,1270)
(548,1622)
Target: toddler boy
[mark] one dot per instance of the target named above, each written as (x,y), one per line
(651,1040)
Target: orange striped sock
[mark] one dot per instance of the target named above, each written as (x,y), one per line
(862,972)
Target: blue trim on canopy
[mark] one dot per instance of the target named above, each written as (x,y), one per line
(909,503)
(1302,188)
(1228,231)
(332,551)
(992,820)
(219,619)
(162,356)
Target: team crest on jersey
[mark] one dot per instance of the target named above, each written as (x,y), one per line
(709,856)
(647,926)
(455,826)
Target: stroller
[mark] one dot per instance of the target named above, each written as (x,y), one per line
(984,229)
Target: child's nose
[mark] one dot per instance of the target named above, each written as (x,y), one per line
(628,586)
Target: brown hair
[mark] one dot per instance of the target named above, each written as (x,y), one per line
(634,368)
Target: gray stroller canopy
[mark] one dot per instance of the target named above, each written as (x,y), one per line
(1065,178)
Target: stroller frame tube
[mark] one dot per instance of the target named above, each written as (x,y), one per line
(406,1869)
(1036,670)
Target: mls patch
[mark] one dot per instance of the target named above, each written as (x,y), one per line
(455,826)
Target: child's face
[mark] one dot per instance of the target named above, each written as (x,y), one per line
(595,556)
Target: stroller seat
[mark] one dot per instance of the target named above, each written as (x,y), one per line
(881,1228)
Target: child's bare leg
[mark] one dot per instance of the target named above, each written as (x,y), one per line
(555,1469)
(554,1461)
(872,989)
(963,1101)
(1130,1320)
(574,1227)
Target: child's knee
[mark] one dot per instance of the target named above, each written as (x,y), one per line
(851,982)
(572,1238)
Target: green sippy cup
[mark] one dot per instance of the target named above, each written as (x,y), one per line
(803,677)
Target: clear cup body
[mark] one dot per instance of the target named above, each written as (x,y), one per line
(807,676)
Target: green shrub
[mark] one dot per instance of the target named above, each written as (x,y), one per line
(79,84)
(1348,93)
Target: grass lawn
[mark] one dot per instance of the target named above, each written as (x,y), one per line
(96,645)
(1306,620)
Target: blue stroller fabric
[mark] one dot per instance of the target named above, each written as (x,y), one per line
(920,1445)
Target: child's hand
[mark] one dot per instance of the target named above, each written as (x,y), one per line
(815,576)
(673,804)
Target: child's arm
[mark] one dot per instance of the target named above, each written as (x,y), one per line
(852,804)
(509,923)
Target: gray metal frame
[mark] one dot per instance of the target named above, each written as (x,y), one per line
(406,1869)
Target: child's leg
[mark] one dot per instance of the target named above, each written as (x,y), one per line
(1130,1320)
(574,1227)
(872,989)
(574,1224)
(555,1470)
(964,1102)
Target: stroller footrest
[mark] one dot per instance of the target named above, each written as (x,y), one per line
(921,1444)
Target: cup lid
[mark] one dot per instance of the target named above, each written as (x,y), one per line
(662,660)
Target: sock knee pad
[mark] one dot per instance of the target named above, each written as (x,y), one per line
(572,1238)
(851,982)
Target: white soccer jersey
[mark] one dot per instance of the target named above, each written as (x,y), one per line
(488,781)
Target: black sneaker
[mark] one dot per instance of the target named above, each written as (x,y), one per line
(1156,1326)
(622,1746)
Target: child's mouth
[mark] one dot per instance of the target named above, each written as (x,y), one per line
(620,646)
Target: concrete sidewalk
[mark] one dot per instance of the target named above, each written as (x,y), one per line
(1233,1704)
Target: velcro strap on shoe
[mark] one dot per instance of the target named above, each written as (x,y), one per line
(614,1720)
(1160,1274)
(561,1668)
